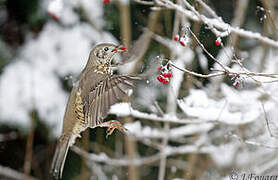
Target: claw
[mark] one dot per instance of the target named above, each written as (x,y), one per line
(109,131)
(111,126)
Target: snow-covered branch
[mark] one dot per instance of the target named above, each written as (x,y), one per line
(214,23)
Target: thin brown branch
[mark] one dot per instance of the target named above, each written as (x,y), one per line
(13,174)
(29,146)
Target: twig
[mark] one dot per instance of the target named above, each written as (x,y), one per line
(267,122)
(197,74)
(149,3)
(230,72)
(206,51)
(209,10)
(160,112)
(13,174)
(252,142)
(214,30)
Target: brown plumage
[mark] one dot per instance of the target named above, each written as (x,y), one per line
(90,100)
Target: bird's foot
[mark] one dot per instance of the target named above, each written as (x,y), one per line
(111,126)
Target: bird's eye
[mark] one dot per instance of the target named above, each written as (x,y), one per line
(106,49)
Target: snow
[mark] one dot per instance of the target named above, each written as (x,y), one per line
(94,11)
(224,154)
(146,94)
(235,108)
(140,131)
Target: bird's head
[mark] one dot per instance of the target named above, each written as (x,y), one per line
(102,54)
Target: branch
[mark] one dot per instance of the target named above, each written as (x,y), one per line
(197,74)
(267,123)
(214,22)
(116,162)
(13,174)
(169,151)
(124,109)
(252,142)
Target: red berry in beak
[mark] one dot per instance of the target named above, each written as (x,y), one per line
(123,48)
(106,1)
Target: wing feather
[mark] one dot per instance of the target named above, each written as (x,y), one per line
(110,91)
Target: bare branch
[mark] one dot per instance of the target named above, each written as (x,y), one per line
(221,26)
(149,3)
(13,174)
(252,142)
(267,122)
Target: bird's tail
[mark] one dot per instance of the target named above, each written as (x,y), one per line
(59,158)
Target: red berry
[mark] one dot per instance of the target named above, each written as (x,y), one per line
(176,38)
(165,81)
(159,78)
(106,1)
(235,84)
(182,43)
(217,42)
(123,47)
(159,68)
(166,75)
(169,75)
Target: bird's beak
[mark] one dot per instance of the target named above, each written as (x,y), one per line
(119,49)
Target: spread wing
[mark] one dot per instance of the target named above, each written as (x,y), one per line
(108,92)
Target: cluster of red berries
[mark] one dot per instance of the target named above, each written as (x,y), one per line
(181,40)
(106,1)
(165,75)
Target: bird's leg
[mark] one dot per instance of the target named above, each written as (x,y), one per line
(111,126)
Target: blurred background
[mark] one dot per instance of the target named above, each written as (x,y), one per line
(44,47)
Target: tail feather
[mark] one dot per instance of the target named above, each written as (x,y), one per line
(59,159)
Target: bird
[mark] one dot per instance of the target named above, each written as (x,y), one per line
(90,100)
